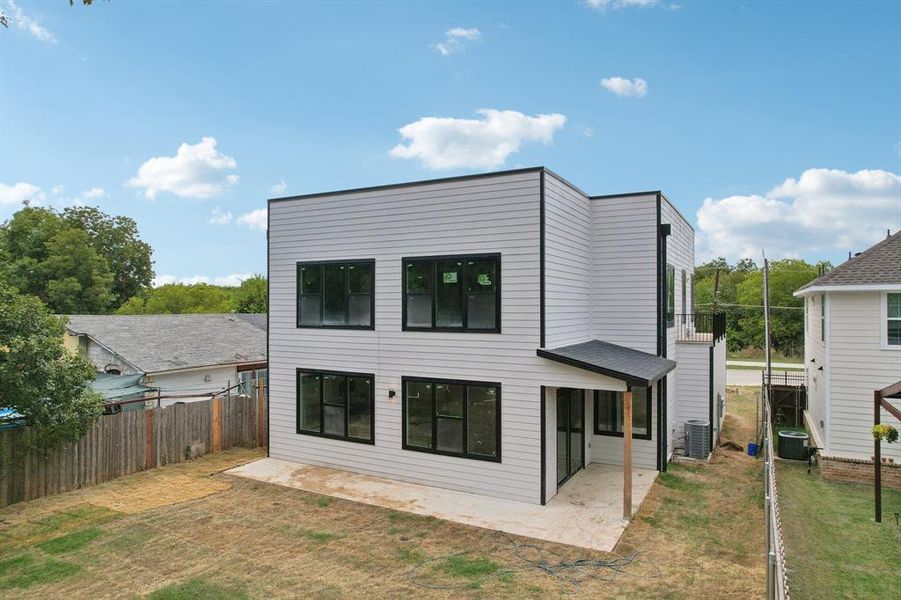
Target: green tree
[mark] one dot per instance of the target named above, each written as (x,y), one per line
(252,296)
(177,298)
(117,240)
(39,379)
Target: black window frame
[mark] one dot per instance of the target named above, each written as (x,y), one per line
(434,442)
(670,295)
(635,436)
(347,294)
(434,260)
(321,432)
(684,296)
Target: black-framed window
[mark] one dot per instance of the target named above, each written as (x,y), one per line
(684,295)
(337,294)
(336,405)
(608,413)
(452,293)
(670,295)
(452,417)
(823,318)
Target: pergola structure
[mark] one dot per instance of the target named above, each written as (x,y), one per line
(880,400)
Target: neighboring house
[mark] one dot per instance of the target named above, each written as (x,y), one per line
(477,333)
(175,355)
(852,346)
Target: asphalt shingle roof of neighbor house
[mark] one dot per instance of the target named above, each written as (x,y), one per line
(619,362)
(154,343)
(879,264)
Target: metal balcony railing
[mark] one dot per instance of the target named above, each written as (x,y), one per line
(707,328)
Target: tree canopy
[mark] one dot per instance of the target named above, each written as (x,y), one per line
(78,261)
(39,379)
(174,298)
(739,294)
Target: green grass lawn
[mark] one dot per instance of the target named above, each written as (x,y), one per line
(833,546)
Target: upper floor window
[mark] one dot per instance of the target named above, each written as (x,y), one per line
(336,294)
(670,295)
(460,418)
(893,319)
(684,295)
(608,413)
(452,293)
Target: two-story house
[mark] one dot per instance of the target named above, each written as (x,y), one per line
(852,347)
(480,333)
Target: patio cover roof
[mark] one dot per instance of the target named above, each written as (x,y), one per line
(629,365)
(119,387)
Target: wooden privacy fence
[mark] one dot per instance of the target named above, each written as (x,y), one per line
(131,441)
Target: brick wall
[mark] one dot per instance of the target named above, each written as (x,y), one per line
(859,471)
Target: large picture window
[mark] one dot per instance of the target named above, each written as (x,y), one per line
(452,293)
(458,418)
(893,320)
(336,405)
(608,413)
(336,294)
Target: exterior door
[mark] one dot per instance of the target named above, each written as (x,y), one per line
(570,433)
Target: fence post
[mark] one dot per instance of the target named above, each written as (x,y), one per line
(261,414)
(149,451)
(217,424)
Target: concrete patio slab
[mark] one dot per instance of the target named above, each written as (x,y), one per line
(587,512)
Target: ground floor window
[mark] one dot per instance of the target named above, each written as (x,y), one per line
(608,413)
(336,405)
(458,418)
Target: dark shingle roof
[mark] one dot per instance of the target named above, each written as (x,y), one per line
(879,264)
(619,362)
(153,343)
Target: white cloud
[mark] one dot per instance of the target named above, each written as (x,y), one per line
(220,217)
(57,190)
(603,5)
(232,279)
(448,143)
(20,192)
(455,40)
(824,210)
(256,219)
(279,188)
(17,16)
(95,193)
(635,88)
(196,171)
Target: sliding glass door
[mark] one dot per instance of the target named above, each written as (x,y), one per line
(570,433)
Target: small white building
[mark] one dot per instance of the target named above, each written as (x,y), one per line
(852,346)
(178,355)
(478,333)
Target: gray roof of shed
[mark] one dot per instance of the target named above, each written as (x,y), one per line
(154,343)
(619,362)
(879,264)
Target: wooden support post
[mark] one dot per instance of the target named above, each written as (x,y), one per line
(261,415)
(149,452)
(217,424)
(877,456)
(627,454)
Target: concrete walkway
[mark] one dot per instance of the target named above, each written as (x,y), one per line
(587,512)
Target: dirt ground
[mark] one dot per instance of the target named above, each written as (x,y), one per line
(188,530)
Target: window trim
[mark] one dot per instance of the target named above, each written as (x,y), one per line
(883,323)
(823,317)
(635,436)
(322,434)
(433,450)
(297,293)
(434,260)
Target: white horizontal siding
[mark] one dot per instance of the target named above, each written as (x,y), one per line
(815,357)
(624,271)
(493,214)
(857,366)
(567,263)
(692,385)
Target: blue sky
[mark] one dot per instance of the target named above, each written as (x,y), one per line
(784,118)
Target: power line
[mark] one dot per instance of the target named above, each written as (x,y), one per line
(750,305)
